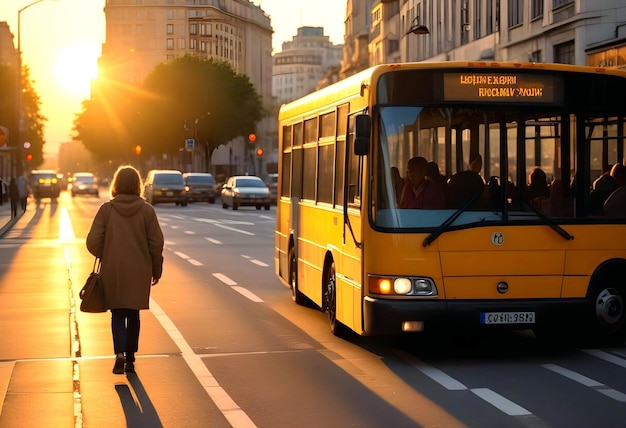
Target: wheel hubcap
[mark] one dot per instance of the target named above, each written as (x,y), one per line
(609,307)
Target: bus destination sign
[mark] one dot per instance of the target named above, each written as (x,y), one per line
(492,87)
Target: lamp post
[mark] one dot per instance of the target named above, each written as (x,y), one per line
(417,28)
(18,100)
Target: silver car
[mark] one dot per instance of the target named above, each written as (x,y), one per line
(245,190)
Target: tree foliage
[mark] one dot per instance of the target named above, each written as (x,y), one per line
(32,119)
(184,98)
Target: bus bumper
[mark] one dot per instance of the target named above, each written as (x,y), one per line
(387,316)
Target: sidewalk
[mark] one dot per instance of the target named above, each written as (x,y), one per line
(5,217)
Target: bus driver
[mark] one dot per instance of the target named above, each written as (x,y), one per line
(420,191)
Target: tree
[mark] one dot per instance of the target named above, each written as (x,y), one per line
(206,94)
(32,119)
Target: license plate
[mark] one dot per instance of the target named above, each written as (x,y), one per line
(507,317)
(169,193)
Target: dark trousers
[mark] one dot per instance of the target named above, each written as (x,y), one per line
(14,208)
(125,327)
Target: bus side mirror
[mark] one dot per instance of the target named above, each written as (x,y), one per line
(363,133)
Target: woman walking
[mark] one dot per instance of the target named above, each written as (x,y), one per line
(14,197)
(126,235)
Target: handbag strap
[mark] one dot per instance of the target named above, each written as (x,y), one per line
(96,265)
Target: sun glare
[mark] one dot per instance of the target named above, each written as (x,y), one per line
(75,68)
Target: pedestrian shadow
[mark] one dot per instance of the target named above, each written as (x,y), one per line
(140,412)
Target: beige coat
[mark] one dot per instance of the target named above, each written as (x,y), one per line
(127,235)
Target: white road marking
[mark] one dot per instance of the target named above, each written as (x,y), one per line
(241,290)
(231,411)
(586,381)
(214,241)
(189,232)
(501,403)
(245,232)
(247,293)
(259,263)
(606,357)
(189,259)
(226,280)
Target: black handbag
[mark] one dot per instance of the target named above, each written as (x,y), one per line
(92,293)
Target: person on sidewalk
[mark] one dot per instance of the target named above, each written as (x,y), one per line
(14,196)
(132,260)
(22,190)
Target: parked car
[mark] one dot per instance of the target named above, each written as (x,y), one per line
(245,190)
(271,181)
(200,186)
(165,185)
(83,183)
(44,183)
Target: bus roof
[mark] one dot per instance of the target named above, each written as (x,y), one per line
(353,87)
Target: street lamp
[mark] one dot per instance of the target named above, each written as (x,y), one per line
(417,28)
(19,69)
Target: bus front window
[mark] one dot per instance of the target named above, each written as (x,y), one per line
(411,189)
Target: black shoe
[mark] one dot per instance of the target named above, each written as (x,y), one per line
(130,367)
(120,360)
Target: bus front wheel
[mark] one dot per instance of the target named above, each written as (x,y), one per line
(607,306)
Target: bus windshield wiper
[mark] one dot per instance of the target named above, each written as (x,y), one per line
(553,225)
(437,233)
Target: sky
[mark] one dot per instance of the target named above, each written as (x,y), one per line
(61,41)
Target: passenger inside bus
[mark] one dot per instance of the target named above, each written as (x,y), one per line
(420,191)
(538,190)
(615,205)
(466,185)
(602,187)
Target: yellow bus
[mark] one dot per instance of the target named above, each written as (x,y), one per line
(500,255)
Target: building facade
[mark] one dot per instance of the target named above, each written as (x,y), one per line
(302,62)
(582,32)
(141,35)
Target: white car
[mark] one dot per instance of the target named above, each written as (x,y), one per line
(84,183)
(245,190)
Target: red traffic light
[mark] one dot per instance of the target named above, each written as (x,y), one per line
(252,137)
(259,152)
(29,157)
(137,150)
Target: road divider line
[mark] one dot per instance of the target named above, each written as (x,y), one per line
(226,280)
(229,408)
(241,290)
(223,226)
(247,293)
(501,403)
(587,381)
(214,241)
(614,359)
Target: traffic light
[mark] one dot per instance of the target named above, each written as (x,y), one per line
(252,137)
(29,157)
(259,152)
(137,149)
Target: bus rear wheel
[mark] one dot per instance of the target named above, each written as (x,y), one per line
(296,295)
(329,295)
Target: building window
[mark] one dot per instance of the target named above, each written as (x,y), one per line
(170,44)
(193,29)
(536,9)
(516,12)
(170,28)
(535,57)
(565,53)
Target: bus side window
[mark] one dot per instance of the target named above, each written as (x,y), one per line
(354,163)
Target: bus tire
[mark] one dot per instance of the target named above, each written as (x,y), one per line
(296,295)
(329,299)
(607,299)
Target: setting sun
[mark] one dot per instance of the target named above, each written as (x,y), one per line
(75,68)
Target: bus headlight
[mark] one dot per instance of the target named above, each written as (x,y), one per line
(401,286)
